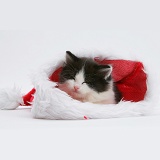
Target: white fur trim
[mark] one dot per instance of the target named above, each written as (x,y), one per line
(52,103)
(10,98)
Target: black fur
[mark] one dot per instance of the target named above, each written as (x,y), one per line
(118,94)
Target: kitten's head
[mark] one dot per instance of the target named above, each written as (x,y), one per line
(82,76)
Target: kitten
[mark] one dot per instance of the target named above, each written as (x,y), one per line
(85,80)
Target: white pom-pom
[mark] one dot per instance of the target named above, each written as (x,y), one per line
(10,98)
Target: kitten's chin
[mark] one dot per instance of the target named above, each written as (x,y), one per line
(77,96)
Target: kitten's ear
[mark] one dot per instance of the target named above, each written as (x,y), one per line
(106,70)
(70,57)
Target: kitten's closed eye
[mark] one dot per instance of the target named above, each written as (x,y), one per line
(88,82)
(84,82)
(66,76)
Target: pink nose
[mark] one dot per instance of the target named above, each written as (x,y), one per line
(76,88)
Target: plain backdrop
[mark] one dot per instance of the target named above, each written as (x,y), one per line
(33,33)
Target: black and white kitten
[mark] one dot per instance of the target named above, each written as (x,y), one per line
(85,80)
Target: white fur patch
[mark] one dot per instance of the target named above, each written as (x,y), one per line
(10,98)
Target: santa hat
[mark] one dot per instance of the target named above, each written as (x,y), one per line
(49,102)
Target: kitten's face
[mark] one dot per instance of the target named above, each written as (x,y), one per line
(82,76)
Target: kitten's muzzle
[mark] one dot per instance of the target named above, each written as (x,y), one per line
(76,88)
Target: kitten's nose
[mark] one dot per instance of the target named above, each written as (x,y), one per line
(76,88)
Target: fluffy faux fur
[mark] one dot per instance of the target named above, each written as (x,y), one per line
(52,103)
(10,98)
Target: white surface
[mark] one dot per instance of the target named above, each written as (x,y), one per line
(125,138)
(123,27)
